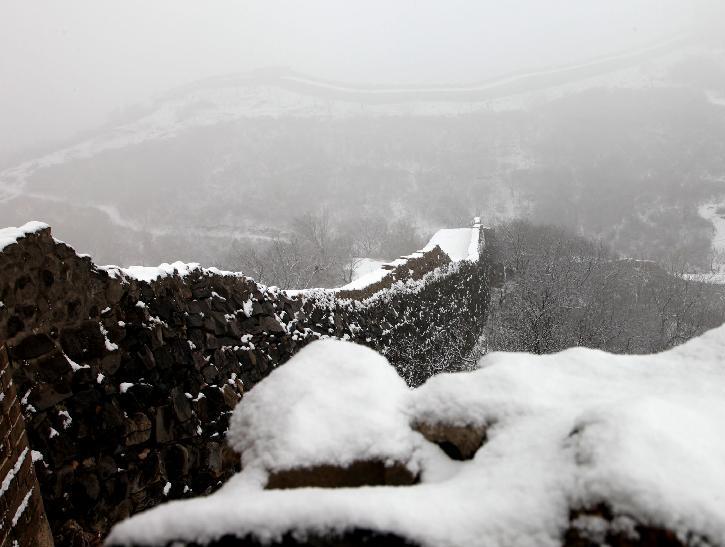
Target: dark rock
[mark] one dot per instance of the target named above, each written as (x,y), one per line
(15,325)
(44,395)
(177,462)
(360,473)
(137,429)
(201,291)
(231,397)
(47,278)
(86,487)
(84,342)
(194,321)
(163,357)
(51,368)
(31,347)
(147,358)
(181,405)
(110,363)
(458,442)
(211,374)
(270,324)
(107,466)
(213,459)
(163,425)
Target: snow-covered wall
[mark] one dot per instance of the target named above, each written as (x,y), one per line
(576,449)
(127,376)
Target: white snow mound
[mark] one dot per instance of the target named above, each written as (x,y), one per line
(300,415)
(455,242)
(642,434)
(10,235)
(154,273)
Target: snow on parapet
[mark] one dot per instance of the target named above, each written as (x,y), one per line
(154,273)
(324,373)
(10,235)
(458,243)
(571,431)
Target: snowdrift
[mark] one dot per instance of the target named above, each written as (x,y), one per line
(577,444)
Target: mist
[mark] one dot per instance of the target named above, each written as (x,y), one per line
(66,67)
(148,132)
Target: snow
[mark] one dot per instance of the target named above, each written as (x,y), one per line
(715,98)
(7,481)
(10,235)
(565,431)
(66,418)
(709,211)
(21,508)
(711,278)
(363,266)
(75,366)
(318,430)
(152,273)
(370,278)
(458,243)
(110,346)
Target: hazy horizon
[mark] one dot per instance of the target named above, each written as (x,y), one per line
(67,67)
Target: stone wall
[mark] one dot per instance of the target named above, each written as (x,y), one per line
(127,385)
(22,517)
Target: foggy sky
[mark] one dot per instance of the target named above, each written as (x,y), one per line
(64,66)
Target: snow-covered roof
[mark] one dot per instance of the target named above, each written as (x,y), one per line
(10,235)
(642,434)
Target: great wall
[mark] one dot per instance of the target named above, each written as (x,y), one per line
(126,378)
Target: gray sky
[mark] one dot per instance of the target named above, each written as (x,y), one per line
(64,66)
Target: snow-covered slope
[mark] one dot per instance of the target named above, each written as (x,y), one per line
(565,432)
(276,93)
(230,159)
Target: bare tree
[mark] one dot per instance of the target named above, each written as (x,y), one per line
(563,291)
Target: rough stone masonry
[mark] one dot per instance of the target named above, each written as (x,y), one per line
(126,386)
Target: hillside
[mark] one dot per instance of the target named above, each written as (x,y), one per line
(253,151)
